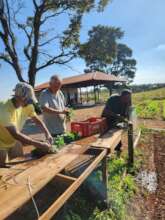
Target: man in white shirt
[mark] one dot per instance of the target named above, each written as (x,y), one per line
(52,102)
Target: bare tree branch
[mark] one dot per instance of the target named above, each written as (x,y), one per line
(8,39)
(54,15)
(56,60)
(3,57)
(49,41)
(35,4)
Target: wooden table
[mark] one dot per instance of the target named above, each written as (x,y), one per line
(14,181)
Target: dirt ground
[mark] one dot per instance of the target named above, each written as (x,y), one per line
(82,114)
(151,205)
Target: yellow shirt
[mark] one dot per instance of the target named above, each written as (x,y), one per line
(11,116)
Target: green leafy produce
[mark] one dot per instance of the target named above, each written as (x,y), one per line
(38,153)
(70,114)
(69,137)
(77,136)
(66,138)
(59,141)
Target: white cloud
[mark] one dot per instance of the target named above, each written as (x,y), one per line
(160,47)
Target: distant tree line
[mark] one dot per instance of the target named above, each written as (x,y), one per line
(147,87)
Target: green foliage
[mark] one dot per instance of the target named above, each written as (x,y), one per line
(164,109)
(102,52)
(121,186)
(59,141)
(40,34)
(124,65)
(66,138)
(149,109)
(70,114)
(100,49)
(155,94)
(150,104)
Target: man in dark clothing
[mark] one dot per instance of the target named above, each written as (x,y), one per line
(116,110)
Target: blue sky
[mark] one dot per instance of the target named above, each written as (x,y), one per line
(142,22)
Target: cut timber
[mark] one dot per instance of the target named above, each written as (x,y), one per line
(109,140)
(82,160)
(66,195)
(40,172)
(21,167)
(64,178)
(16,193)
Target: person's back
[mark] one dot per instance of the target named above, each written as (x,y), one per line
(6,113)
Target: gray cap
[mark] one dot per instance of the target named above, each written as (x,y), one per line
(126,92)
(25,90)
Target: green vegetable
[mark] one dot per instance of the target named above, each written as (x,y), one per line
(59,141)
(38,153)
(69,137)
(77,136)
(66,138)
(70,114)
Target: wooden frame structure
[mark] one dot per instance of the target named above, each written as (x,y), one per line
(14,181)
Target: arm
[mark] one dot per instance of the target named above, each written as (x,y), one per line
(108,112)
(24,139)
(40,123)
(52,111)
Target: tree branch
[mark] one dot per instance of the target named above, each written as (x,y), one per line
(48,41)
(53,15)
(35,4)
(56,59)
(3,57)
(8,39)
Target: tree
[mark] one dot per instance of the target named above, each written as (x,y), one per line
(102,52)
(39,35)
(124,64)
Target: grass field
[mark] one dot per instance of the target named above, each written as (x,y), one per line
(150,104)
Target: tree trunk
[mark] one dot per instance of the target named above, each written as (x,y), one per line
(32,76)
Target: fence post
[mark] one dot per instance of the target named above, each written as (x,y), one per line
(130,145)
(105,178)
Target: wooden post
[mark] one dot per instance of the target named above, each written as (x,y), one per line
(130,145)
(80,96)
(105,177)
(87,94)
(95,94)
(98,93)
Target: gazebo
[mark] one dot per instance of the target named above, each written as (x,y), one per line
(72,86)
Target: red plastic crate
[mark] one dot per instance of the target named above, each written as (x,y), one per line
(90,126)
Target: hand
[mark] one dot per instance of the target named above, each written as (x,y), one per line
(44,146)
(65,111)
(49,138)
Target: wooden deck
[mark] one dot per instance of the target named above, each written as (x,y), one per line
(14,181)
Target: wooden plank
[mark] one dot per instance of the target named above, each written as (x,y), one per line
(19,168)
(109,140)
(16,193)
(80,161)
(65,196)
(64,178)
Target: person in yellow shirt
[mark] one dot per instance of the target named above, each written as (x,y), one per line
(13,115)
